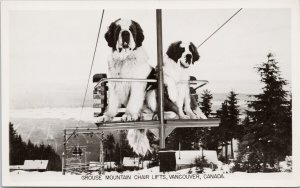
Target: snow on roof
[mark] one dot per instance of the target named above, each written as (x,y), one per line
(189,156)
(130,161)
(110,164)
(35,164)
(94,163)
(15,167)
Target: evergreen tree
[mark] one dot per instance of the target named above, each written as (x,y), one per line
(224,130)
(186,138)
(117,156)
(233,119)
(268,133)
(109,145)
(205,135)
(54,160)
(213,139)
(229,126)
(30,150)
(18,151)
(243,142)
(41,152)
(233,113)
(12,135)
(287,131)
(205,104)
(126,150)
(12,144)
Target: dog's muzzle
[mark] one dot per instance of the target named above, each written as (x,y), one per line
(188,58)
(125,39)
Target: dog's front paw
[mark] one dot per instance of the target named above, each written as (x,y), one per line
(199,114)
(191,114)
(130,117)
(103,118)
(183,116)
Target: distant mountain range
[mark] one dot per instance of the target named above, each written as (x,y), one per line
(49,131)
(45,98)
(219,98)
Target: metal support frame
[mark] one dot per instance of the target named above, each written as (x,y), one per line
(105,80)
(79,167)
(175,123)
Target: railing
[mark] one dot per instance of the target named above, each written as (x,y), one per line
(105,80)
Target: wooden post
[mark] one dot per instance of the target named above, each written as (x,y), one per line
(160,79)
(232,154)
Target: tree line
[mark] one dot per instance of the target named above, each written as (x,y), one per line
(19,151)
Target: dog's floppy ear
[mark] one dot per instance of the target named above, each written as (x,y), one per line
(194,51)
(174,51)
(139,34)
(110,34)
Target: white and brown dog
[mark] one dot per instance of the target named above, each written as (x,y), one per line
(179,57)
(128,60)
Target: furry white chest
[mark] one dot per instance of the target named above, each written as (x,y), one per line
(131,64)
(178,91)
(175,73)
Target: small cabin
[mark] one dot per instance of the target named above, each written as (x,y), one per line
(15,167)
(35,165)
(131,163)
(31,165)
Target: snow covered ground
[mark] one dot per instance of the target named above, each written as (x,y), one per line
(151,177)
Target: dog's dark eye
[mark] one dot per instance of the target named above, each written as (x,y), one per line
(194,52)
(117,32)
(181,50)
(133,31)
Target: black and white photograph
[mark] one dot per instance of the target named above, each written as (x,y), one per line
(150,93)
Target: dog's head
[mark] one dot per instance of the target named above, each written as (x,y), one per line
(183,53)
(124,35)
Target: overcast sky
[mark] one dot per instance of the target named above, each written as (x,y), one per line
(51,51)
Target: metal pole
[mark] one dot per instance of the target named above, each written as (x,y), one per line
(64,153)
(160,79)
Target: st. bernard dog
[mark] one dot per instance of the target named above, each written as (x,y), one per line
(177,61)
(128,60)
